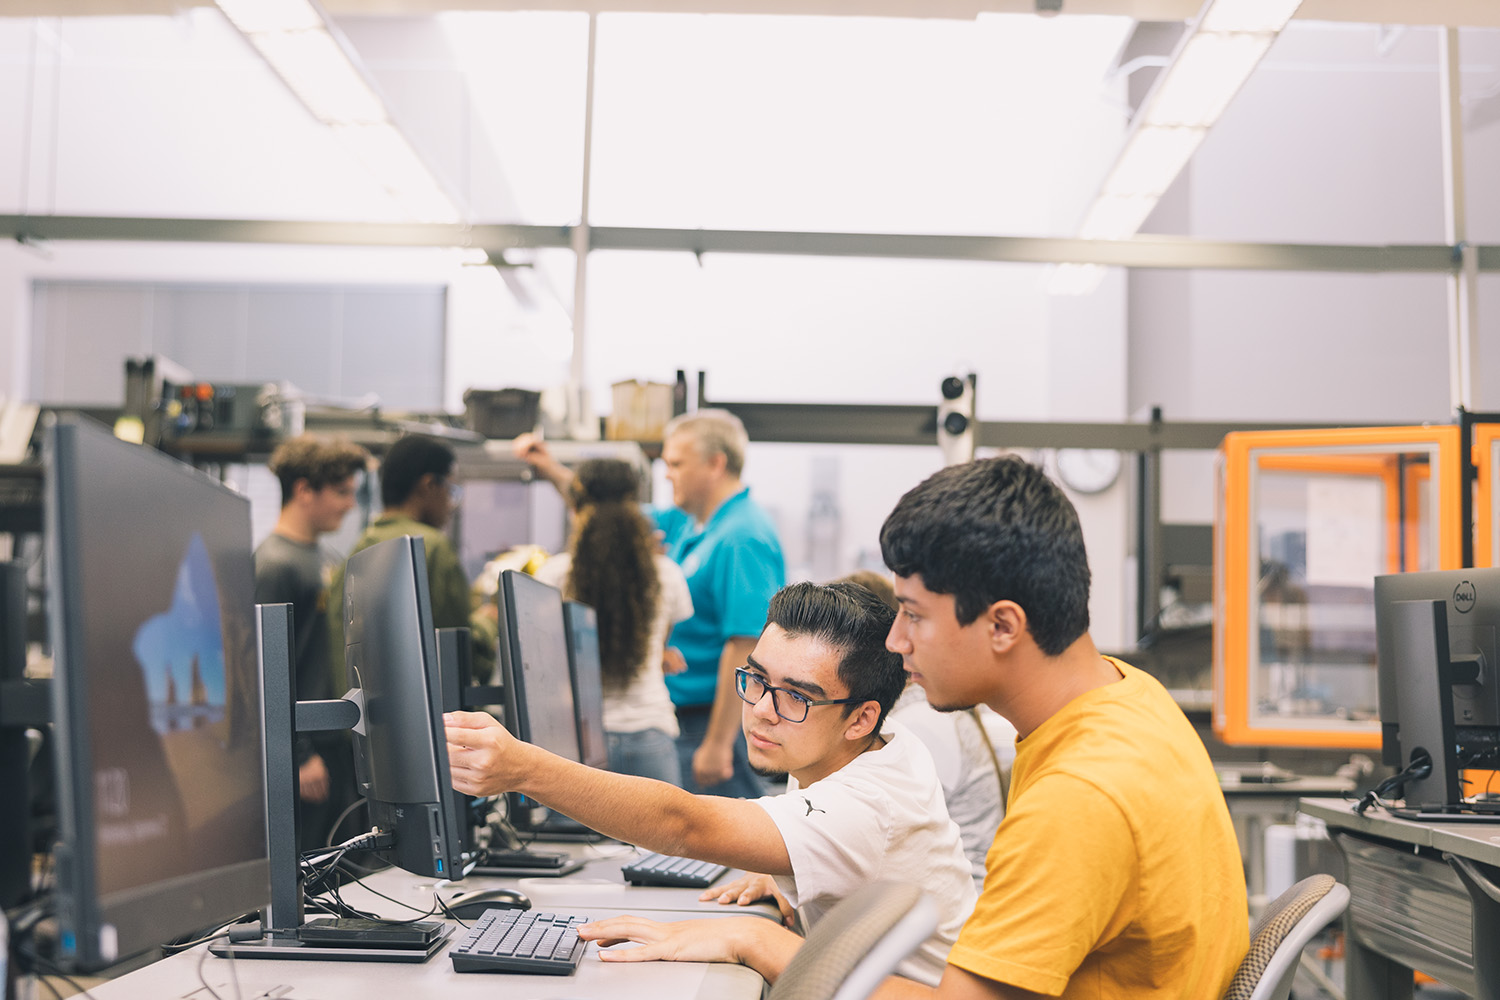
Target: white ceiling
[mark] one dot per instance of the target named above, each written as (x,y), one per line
(1475,13)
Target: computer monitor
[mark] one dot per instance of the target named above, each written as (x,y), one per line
(400,750)
(1472,600)
(534,665)
(582,627)
(157,719)
(15,755)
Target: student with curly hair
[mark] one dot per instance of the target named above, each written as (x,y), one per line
(614,566)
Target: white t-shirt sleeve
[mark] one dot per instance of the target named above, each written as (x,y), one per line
(554,572)
(836,836)
(674,591)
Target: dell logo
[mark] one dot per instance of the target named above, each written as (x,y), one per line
(1464,598)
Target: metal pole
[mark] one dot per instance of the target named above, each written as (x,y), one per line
(580,243)
(1463,283)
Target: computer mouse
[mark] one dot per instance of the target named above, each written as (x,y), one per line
(467,905)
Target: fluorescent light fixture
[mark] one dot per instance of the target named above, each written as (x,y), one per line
(297,41)
(1115,217)
(1211,64)
(1264,16)
(1152,157)
(256,16)
(1199,84)
(316,69)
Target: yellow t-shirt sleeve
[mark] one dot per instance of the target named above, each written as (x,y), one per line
(1059,882)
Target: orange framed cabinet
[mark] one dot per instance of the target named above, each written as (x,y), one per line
(1305,522)
(1486,459)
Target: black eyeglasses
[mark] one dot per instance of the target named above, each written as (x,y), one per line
(753,687)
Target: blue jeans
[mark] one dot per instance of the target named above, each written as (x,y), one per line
(692,720)
(648,753)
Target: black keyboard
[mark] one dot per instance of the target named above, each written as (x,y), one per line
(662,869)
(520,941)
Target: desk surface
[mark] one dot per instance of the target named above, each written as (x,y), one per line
(1477,841)
(1296,787)
(597,891)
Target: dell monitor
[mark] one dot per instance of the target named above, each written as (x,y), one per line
(400,750)
(1472,600)
(157,719)
(582,628)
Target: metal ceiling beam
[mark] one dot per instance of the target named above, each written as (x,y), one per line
(1168,252)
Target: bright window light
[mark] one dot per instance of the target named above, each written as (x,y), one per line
(1151,160)
(1201,82)
(1074,279)
(1268,16)
(319,72)
(385,152)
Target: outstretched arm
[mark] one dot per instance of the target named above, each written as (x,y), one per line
(485,759)
(534,451)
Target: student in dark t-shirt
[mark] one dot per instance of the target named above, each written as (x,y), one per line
(317,489)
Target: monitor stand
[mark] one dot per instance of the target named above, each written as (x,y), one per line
(525,864)
(283,934)
(564,828)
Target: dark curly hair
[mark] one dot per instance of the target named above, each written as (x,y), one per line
(614,565)
(995,530)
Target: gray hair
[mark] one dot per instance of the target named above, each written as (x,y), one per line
(716,432)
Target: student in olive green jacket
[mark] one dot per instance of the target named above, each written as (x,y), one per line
(419,495)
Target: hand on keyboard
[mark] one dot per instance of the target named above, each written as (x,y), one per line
(752,888)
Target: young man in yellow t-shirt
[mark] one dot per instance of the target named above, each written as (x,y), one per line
(1115,872)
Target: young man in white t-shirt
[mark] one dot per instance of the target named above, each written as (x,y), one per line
(862,802)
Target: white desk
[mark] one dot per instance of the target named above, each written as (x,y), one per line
(1421,896)
(598,891)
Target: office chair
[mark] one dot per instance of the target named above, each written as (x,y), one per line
(1277,940)
(858,943)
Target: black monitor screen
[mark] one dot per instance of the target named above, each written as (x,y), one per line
(534,664)
(401,754)
(161,802)
(588,682)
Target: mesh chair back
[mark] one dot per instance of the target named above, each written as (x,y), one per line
(857,943)
(1281,923)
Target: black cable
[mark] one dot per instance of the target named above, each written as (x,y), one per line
(1420,767)
(334,829)
(213,934)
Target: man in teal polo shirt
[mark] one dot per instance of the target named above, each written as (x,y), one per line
(728,550)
